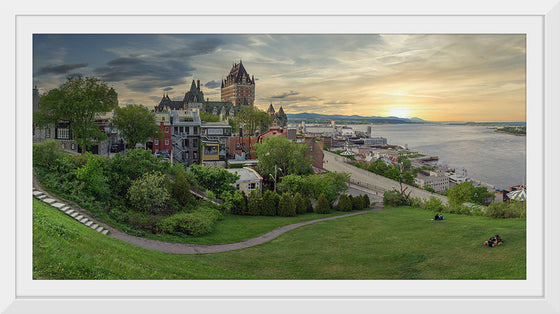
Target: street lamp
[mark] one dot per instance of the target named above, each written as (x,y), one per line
(275,174)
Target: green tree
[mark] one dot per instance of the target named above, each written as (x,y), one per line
(288,158)
(286,206)
(78,102)
(136,124)
(323,206)
(480,195)
(365,199)
(330,184)
(460,193)
(253,119)
(208,117)
(149,193)
(214,179)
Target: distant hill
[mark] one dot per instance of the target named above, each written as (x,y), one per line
(353,118)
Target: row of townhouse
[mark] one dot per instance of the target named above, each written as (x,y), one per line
(189,140)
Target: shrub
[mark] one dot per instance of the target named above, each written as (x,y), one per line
(195,224)
(270,203)
(149,193)
(299,202)
(394,198)
(239,203)
(366,201)
(254,204)
(344,203)
(181,190)
(323,206)
(357,203)
(95,181)
(286,207)
(308,205)
(434,204)
(46,154)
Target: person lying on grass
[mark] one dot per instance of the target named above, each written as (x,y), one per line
(493,241)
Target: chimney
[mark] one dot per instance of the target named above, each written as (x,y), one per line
(198,84)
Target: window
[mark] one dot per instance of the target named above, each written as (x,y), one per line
(166,129)
(63,134)
(195,130)
(238,146)
(73,146)
(185,143)
(195,142)
(156,142)
(252,186)
(166,141)
(237,186)
(195,155)
(48,133)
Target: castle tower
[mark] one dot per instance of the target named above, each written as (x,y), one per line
(238,87)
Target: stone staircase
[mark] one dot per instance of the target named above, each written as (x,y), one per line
(69,211)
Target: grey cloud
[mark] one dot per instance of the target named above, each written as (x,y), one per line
(60,69)
(200,47)
(212,84)
(285,95)
(142,72)
(167,89)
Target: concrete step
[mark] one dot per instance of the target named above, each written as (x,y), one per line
(94,226)
(84,220)
(58,205)
(89,223)
(105,232)
(49,200)
(41,197)
(74,215)
(69,211)
(79,217)
(37,193)
(65,208)
(99,229)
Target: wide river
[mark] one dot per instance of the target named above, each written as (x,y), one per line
(495,158)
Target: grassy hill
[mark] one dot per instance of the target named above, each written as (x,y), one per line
(396,243)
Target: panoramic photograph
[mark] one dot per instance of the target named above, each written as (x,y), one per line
(279,156)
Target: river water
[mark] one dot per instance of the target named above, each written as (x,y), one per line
(495,158)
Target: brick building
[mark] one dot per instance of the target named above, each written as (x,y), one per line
(238,87)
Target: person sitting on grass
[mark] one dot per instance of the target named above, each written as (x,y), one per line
(436,217)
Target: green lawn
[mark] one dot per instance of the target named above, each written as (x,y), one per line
(396,243)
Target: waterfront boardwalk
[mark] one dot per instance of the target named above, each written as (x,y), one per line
(336,163)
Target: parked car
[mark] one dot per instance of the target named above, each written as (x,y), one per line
(162,153)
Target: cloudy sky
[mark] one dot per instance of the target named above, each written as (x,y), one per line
(433,77)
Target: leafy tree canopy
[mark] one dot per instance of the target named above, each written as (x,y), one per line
(135,123)
(78,101)
(214,179)
(253,119)
(288,158)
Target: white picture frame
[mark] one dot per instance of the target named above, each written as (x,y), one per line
(538,294)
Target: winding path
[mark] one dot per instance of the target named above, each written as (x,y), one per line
(184,248)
